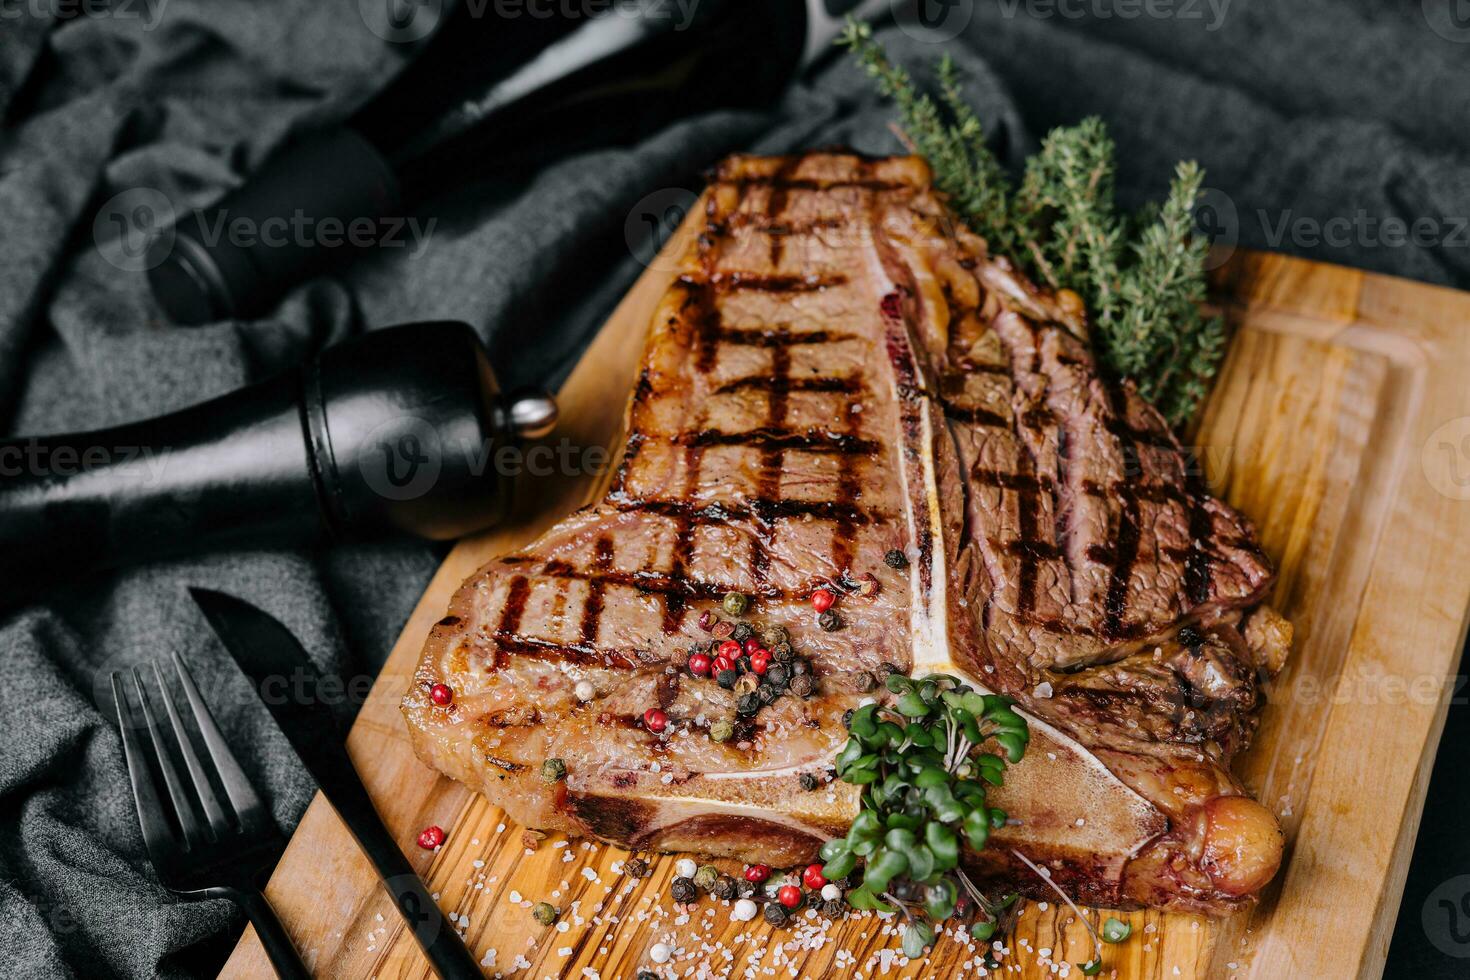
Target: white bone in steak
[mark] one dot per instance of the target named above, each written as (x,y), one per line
(842,370)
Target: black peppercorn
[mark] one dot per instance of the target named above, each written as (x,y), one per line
(803,685)
(647,975)
(767,693)
(726,888)
(743,665)
(896,559)
(847,718)
(1190,637)
(746,889)
(778,676)
(830,621)
(783,653)
(684,890)
(863,682)
(636,868)
(886,668)
(743,632)
(808,782)
(727,678)
(748,704)
(775,914)
(834,908)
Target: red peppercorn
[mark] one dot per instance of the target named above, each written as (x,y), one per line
(699,664)
(822,600)
(813,878)
(757,873)
(751,646)
(760,660)
(441,694)
(789,896)
(431,837)
(723,663)
(730,649)
(707,621)
(655,720)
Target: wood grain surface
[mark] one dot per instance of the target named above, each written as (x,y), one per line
(1340,424)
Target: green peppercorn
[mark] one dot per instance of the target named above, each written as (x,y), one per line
(684,891)
(776,914)
(544,913)
(774,636)
(726,888)
(706,877)
(748,704)
(722,730)
(808,781)
(736,603)
(742,632)
(553,770)
(803,685)
(830,621)
(782,653)
(727,679)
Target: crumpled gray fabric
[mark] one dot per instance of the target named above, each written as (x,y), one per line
(1313,108)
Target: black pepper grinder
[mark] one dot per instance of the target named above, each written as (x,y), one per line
(396,430)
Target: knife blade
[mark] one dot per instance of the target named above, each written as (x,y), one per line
(274,660)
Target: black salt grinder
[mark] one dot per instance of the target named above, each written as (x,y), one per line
(402,429)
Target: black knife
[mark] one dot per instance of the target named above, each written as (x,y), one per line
(275,661)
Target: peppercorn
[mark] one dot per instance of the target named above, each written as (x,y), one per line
(743,665)
(776,914)
(896,559)
(707,620)
(544,913)
(808,781)
(803,685)
(746,889)
(778,676)
(647,975)
(830,621)
(863,682)
(782,652)
(1189,636)
(722,730)
(722,630)
(743,632)
(867,585)
(767,693)
(636,868)
(727,678)
(746,684)
(553,770)
(706,877)
(773,635)
(886,668)
(800,666)
(735,603)
(834,908)
(748,704)
(684,891)
(726,888)
(847,718)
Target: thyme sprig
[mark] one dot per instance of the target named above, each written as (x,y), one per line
(1141,276)
(924,764)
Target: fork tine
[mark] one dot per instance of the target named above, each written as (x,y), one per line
(213,812)
(183,809)
(151,812)
(247,805)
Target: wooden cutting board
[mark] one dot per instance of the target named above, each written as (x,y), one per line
(1340,424)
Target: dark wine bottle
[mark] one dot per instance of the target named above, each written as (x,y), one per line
(491,95)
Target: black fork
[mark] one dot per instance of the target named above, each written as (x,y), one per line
(200,847)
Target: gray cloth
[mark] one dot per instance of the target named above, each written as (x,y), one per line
(1311,109)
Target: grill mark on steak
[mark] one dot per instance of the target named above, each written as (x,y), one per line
(723,513)
(759,282)
(805,184)
(1197,560)
(780,336)
(592,608)
(780,189)
(773,454)
(1115,606)
(515,606)
(974,415)
(786,383)
(810,441)
(675,606)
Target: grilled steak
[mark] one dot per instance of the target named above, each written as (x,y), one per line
(841,371)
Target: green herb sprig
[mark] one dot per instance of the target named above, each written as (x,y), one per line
(1142,277)
(924,764)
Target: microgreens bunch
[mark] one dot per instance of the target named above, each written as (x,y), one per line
(924,764)
(1141,276)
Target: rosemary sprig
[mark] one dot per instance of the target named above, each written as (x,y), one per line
(1142,276)
(923,766)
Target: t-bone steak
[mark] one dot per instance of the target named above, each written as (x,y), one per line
(842,370)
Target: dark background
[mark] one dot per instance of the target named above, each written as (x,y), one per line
(1312,109)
